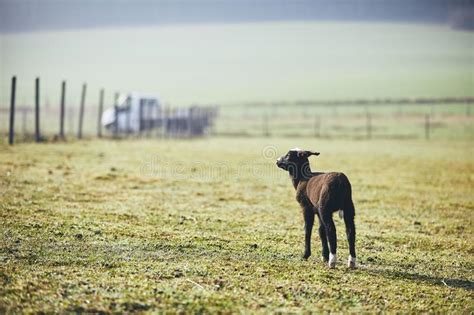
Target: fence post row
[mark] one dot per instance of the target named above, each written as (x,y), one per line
(11,134)
(99,120)
(62,109)
(189,122)
(81,111)
(37,110)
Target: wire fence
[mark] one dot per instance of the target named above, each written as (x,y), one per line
(435,118)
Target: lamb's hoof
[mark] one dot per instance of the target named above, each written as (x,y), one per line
(324,259)
(332,261)
(351,262)
(306,256)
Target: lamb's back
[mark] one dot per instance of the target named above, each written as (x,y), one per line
(328,189)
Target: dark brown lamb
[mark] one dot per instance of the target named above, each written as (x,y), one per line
(321,194)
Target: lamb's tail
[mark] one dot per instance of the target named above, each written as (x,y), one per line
(348,209)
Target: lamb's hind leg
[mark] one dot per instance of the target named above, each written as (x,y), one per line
(324,240)
(351,234)
(331,235)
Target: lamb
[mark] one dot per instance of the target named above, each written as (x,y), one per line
(321,194)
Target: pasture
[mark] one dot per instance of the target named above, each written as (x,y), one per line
(212,225)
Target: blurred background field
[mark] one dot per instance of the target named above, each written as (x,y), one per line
(244,62)
(254,73)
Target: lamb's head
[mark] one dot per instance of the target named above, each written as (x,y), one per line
(294,160)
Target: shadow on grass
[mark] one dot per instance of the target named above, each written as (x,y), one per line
(446,282)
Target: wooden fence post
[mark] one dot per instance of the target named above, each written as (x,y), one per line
(317,126)
(266,132)
(11,135)
(427,126)
(116,126)
(99,120)
(70,122)
(37,110)
(129,110)
(81,111)
(149,120)
(141,124)
(24,119)
(210,115)
(173,122)
(159,120)
(191,121)
(369,125)
(62,109)
(167,122)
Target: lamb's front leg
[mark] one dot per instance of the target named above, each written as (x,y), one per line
(308,228)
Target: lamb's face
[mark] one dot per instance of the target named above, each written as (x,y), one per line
(284,161)
(294,158)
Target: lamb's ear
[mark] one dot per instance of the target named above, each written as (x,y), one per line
(312,153)
(306,153)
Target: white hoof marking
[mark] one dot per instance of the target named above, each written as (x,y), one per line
(351,262)
(332,261)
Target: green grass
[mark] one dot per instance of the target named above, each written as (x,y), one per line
(212,225)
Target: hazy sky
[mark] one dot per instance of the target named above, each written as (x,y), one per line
(33,15)
(244,62)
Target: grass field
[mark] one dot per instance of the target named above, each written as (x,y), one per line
(212,225)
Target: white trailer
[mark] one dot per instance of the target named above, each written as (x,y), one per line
(134,112)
